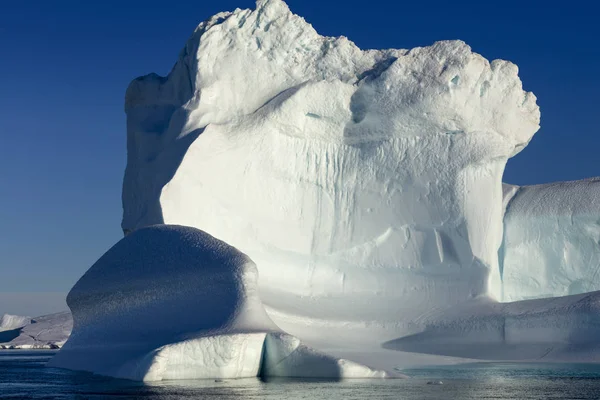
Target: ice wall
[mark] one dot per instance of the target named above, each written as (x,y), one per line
(551,240)
(355,179)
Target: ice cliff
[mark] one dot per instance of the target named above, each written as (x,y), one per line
(551,240)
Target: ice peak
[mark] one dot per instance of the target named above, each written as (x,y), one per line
(272,6)
(237,62)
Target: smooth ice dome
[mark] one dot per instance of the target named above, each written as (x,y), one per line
(171,302)
(163,300)
(348,176)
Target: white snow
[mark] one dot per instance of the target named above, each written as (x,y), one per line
(45,332)
(171,302)
(9,322)
(551,240)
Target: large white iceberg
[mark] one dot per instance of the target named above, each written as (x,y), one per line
(366,186)
(172,302)
(349,176)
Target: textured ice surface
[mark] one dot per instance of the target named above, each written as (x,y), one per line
(551,240)
(354,179)
(9,322)
(171,302)
(45,332)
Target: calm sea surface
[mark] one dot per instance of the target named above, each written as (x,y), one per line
(24,376)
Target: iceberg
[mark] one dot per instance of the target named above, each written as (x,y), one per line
(551,243)
(9,322)
(348,176)
(44,332)
(172,302)
(366,185)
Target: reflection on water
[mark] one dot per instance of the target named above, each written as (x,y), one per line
(23,375)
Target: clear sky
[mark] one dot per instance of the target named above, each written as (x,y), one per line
(65,66)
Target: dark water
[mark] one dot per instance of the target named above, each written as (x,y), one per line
(24,376)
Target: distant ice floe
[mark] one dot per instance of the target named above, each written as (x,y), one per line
(45,332)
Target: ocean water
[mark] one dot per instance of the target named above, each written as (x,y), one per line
(23,375)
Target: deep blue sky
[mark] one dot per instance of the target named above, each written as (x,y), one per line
(65,66)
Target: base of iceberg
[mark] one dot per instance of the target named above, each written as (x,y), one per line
(172,302)
(286,356)
(564,329)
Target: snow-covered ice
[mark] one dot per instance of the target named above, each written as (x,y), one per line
(172,302)
(44,332)
(551,240)
(9,322)
(287,356)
